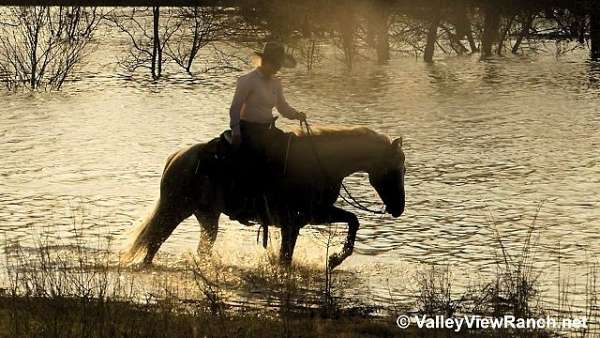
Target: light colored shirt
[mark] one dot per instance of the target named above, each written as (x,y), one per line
(254,99)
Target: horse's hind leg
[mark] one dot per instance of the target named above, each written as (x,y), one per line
(289,235)
(209,221)
(155,230)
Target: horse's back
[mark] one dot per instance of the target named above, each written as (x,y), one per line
(182,165)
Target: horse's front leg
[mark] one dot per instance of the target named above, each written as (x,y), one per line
(336,215)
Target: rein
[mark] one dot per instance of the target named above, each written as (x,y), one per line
(351,200)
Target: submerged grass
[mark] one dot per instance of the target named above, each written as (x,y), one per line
(50,297)
(79,291)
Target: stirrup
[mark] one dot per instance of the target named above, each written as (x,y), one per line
(265,225)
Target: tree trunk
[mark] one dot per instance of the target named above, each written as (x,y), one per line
(524,32)
(347,29)
(472,43)
(504,35)
(432,36)
(595,33)
(34,61)
(377,15)
(490,29)
(383,45)
(156,50)
(462,26)
(195,41)
(383,35)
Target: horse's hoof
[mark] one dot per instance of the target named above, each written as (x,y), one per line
(334,261)
(138,265)
(285,263)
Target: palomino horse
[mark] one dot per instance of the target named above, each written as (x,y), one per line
(316,165)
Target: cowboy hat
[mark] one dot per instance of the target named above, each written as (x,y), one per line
(274,52)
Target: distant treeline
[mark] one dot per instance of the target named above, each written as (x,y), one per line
(452,26)
(40,46)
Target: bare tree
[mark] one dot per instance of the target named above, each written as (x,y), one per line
(149,36)
(378,28)
(432,35)
(40,46)
(527,20)
(347,27)
(199,26)
(309,51)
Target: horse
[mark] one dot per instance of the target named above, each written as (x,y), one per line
(315,165)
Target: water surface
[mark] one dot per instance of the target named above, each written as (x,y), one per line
(483,140)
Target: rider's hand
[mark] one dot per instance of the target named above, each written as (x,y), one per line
(300,116)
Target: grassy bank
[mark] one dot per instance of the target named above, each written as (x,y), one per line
(54,295)
(80,317)
(77,291)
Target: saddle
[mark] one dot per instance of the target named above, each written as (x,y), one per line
(225,156)
(222,146)
(227,137)
(244,178)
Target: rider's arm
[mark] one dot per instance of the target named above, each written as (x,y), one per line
(283,107)
(242,90)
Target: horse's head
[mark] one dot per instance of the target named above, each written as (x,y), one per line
(388,178)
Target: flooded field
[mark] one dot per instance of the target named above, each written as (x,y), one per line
(486,142)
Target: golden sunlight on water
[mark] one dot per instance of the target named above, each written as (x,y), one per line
(482,140)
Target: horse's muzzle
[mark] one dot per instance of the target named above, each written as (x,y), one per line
(394,212)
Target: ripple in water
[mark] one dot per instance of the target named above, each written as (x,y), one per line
(481,139)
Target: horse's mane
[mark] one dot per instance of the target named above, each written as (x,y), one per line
(337,131)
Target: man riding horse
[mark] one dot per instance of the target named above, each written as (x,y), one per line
(253,127)
(205,182)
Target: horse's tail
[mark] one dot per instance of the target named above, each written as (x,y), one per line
(145,239)
(141,238)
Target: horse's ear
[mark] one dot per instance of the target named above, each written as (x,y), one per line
(397,143)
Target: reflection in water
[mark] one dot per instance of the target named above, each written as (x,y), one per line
(593,73)
(481,137)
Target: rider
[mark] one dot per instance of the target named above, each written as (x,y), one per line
(252,122)
(255,96)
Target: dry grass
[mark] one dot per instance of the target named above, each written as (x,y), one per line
(79,291)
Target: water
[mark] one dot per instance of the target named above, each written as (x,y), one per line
(483,140)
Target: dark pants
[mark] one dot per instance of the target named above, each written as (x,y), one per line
(260,158)
(263,149)
(262,139)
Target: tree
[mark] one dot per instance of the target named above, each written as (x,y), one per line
(41,46)
(491,24)
(149,36)
(432,35)
(199,26)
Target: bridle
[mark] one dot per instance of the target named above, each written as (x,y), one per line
(351,200)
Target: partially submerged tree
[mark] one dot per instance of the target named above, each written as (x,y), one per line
(347,28)
(41,46)
(149,35)
(198,27)
(161,36)
(378,15)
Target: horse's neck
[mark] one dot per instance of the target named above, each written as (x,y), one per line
(349,154)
